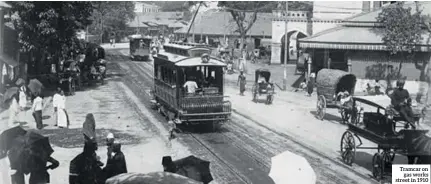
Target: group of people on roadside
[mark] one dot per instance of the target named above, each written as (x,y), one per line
(86,168)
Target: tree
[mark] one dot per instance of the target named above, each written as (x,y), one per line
(402,32)
(48,28)
(111,17)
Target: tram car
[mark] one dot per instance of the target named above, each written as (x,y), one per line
(179,63)
(140,47)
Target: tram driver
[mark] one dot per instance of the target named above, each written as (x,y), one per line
(190,86)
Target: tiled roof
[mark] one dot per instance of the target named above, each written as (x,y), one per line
(161,18)
(365,38)
(4,4)
(371,16)
(220,23)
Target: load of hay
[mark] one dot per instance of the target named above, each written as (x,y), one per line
(330,81)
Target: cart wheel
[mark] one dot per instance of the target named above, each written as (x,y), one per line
(345,115)
(387,159)
(321,107)
(348,148)
(377,167)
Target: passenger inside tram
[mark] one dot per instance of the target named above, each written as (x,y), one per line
(205,80)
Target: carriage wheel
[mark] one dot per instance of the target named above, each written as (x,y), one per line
(345,115)
(321,107)
(348,148)
(377,166)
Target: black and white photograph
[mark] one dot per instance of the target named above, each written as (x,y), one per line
(215,92)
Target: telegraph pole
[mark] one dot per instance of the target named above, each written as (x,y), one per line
(286,48)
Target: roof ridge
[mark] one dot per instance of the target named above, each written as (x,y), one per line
(323,32)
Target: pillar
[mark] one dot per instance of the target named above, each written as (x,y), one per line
(326,57)
(309,66)
(349,65)
(2,12)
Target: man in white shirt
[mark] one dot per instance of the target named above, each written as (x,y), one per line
(191,86)
(55,100)
(37,111)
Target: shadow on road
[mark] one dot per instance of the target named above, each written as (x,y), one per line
(201,129)
(73,138)
(329,117)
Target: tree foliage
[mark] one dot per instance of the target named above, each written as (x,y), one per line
(111,16)
(48,26)
(402,28)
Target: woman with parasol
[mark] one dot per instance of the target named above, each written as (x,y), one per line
(85,168)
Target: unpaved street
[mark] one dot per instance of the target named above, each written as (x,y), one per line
(241,152)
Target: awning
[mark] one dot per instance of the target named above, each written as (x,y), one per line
(352,38)
(197,61)
(8,60)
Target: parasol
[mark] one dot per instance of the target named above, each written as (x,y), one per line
(35,86)
(20,82)
(10,93)
(153,178)
(29,150)
(194,168)
(7,137)
(288,167)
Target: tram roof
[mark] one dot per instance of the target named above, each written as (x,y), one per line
(137,36)
(184,61)
(185,46)
(197,61)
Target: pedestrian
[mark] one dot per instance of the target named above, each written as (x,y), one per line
(22,98)
(241,82)
(116,163)
(62,117)
(37,111)
(39,174)
(13,111)
(55,100)
(16,173)
(310,84)
(85,168)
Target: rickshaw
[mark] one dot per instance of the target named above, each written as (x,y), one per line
(69,77)
(329,83)
(378,125)
(263,87)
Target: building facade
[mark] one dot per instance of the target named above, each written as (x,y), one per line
(325,15)
(142,7)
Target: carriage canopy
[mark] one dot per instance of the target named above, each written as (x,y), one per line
(265,73)
(330,81)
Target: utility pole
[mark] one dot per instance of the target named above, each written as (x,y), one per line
(286,48)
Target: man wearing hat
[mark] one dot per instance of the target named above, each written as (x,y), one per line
(401,101)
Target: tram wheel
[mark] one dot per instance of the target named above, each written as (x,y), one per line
(348,148)
(321,107)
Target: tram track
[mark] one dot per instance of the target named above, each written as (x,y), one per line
(259,148)
(229,173)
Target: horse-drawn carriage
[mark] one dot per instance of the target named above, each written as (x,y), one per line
(376,124)
(94,66)
(329,84)
(262,86)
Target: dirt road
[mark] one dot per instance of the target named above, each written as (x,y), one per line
(241,151)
